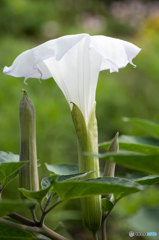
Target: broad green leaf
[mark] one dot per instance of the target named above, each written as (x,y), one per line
(143,145)
(148,180)
(10,233)
(99,186)
(9,166)
(118,196)
(149,127)
(35,195)
(144,163)
(74,177)
(141,178)
(9,206)
(47,181)
(50,180)
(9,170)
(106,205)
(63,169)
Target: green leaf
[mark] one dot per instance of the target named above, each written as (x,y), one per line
(118,196)
(74,177)
(47,181)
(148,180)
(98,186)
(143,145)
(10,233)
(35,195)
(9,206)
(9,169)
(50,180)
(149,127)
(59,227)
(106,205)
(140,178)
(63,169)
(144,163)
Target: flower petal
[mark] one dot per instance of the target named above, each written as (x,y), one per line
(30,63)
(76,73)
(116,53)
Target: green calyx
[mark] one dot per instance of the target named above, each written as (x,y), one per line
(28,174)
(88,142)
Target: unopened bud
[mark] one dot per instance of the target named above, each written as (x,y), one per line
(110,166)
(28,174)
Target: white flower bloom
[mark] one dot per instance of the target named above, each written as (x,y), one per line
(74,62)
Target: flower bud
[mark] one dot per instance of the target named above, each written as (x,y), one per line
(110,166)
(28,174)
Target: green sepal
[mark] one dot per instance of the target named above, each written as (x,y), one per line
(87,135)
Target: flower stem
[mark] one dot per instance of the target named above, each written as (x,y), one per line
(95,237)
(104,237)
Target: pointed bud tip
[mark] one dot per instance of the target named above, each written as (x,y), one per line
(24,91)
(114,146)
(25,94)
(116,135)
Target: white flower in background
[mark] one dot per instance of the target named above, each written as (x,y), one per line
(74,61)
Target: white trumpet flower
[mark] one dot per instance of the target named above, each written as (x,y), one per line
(74,61)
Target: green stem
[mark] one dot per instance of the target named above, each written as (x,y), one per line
(51,234)
(32,209)
(53,206)
(95,237)
(43,230)
(45,212)
(21,219)
(1,190)
(104,237)
(19,226)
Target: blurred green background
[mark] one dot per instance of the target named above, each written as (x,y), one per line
(133,92)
